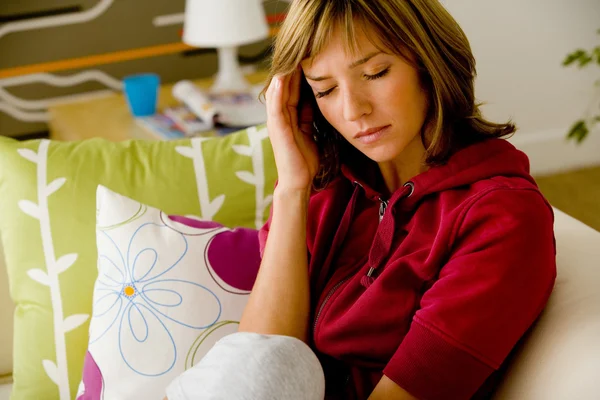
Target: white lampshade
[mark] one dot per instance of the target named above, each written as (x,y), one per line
(224,23)
(227,24)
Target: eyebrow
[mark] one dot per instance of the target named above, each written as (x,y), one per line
(353,65)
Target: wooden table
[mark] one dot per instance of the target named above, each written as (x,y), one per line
(109,117)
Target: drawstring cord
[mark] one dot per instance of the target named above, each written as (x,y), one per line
(383,241)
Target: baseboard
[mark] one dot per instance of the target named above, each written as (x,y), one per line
(549,151)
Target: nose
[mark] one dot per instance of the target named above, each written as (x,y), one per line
(355,106)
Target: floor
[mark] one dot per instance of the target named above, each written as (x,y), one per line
(577,193)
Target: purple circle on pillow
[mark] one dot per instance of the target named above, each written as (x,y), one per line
(92,379)
(234,255)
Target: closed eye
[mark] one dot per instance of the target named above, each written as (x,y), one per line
(319,95)
(378,75)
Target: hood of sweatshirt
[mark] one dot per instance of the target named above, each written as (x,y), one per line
(483,160)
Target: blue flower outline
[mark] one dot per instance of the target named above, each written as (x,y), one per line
(143,288)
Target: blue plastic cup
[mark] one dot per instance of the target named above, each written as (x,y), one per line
(141,91)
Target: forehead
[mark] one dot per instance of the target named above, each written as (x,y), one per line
(340,46)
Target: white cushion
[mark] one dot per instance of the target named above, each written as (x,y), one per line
(561,358)
(168,288)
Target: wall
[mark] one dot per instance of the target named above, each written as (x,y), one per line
(519,46)
(33,37)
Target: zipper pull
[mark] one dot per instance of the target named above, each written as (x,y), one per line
(367,280)
(382,207)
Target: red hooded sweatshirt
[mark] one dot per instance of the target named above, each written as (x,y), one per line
(434,285)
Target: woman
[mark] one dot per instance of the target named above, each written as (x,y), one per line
(408,245)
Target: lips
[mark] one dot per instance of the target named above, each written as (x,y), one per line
(371,135)
(369,132)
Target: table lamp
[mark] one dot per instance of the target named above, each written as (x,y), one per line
(225,24)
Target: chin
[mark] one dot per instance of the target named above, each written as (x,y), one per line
(382,154)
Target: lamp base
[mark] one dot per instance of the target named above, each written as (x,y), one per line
(234,97)
(229,77)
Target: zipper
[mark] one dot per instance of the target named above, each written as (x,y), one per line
(331,292)
(333,289)
(382,207)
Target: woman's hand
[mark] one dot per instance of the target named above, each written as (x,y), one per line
(296,154)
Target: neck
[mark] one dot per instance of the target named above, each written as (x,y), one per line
(410,163)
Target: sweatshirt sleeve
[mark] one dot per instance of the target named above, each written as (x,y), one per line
(494,285)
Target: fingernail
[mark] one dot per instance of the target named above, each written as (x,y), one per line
(277,82)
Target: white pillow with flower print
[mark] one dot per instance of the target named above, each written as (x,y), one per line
(168,288)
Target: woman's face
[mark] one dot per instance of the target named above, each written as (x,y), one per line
(373,99)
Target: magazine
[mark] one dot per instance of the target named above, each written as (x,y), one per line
(179,122)
(174,123)
(186,120)
(161,127)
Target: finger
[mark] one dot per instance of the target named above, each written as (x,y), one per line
(269,92)
(271,96)
(293,115)
(285,85)
(295,88)
(275,103)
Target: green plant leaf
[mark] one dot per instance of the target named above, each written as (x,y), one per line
(578,131)
(574,56)
(585,60)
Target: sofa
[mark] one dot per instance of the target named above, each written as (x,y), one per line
(49,202)
(558,360)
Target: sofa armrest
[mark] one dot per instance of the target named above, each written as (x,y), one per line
(560,358)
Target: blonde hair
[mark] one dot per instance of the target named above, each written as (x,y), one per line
(420,31)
